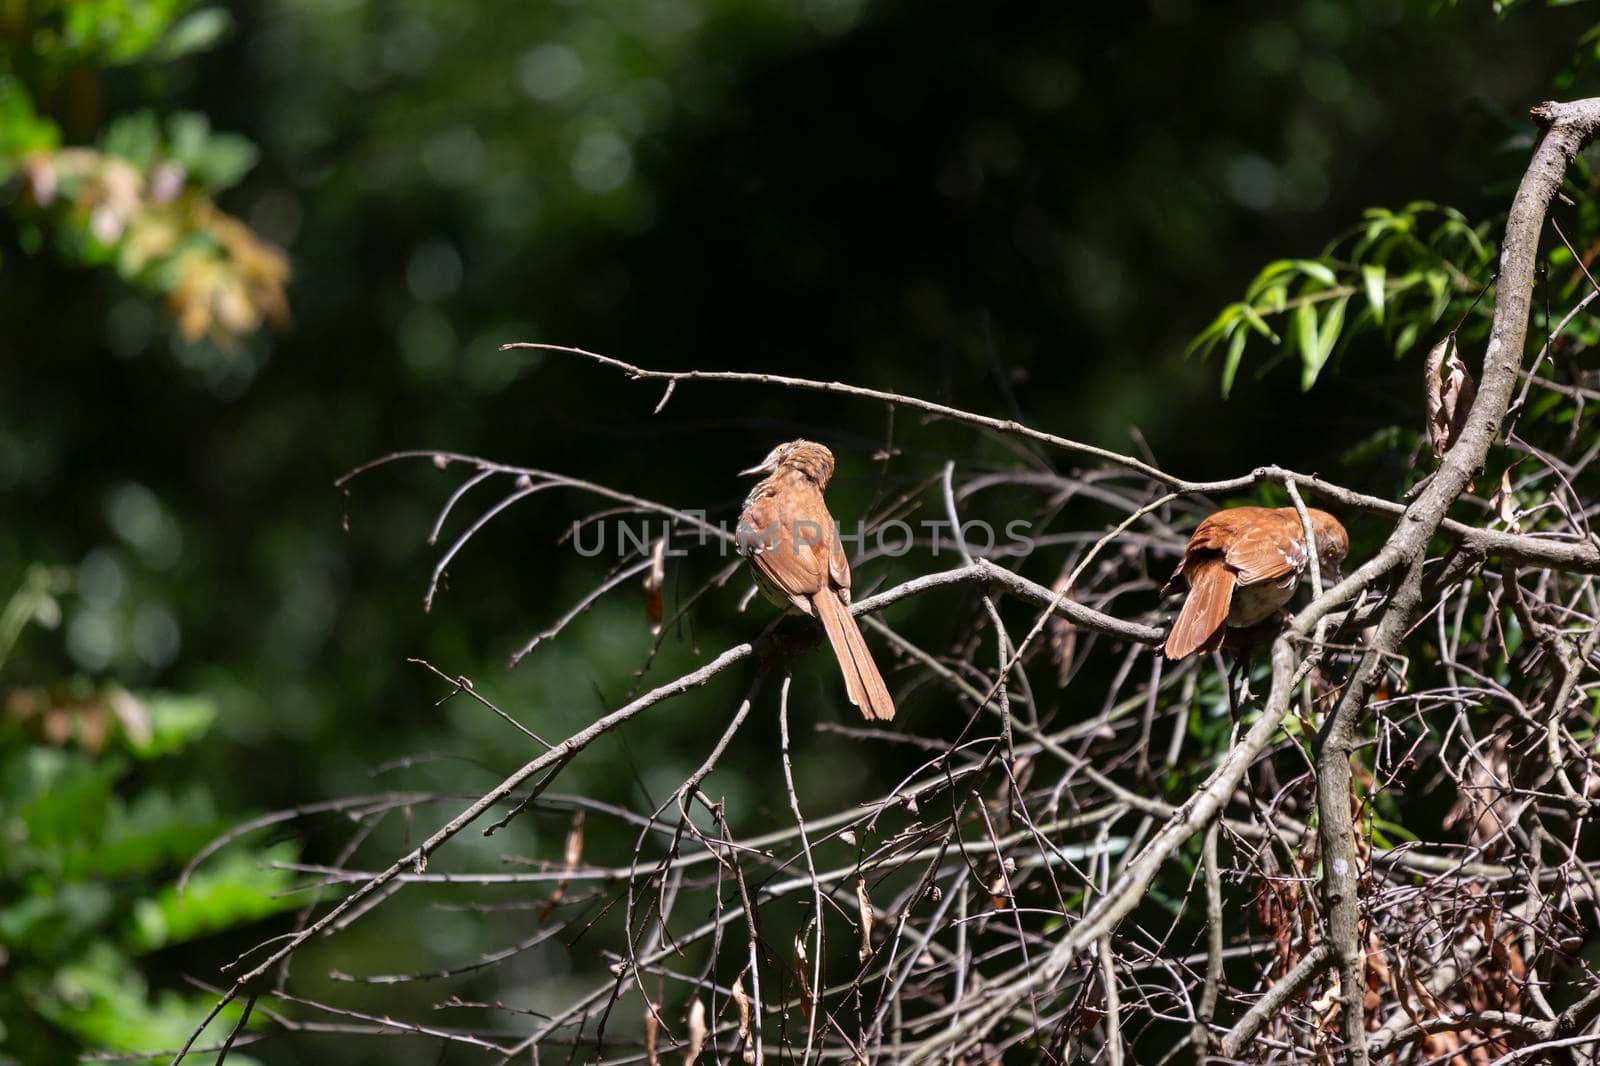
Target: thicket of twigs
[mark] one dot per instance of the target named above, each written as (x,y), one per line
(1366,837)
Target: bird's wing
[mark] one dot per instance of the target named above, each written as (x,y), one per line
(1267,548)
(783,551)
(839,569)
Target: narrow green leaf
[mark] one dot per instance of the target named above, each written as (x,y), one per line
(196,32)
(1439,285)
(1373,276)
(1219,328)
(1273,270)
(1319,271)
(1305,330)
(1315,356)
(1406,338)
(1259,324)
(1235,354)
(1332,326)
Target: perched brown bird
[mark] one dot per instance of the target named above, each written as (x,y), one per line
(793,546)
(1241,566)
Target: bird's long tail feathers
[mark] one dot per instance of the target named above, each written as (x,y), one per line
(862,682)
(1204,617)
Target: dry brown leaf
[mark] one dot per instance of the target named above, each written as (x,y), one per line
(652,1027)
(571,858)
(697,1032)
(801,975)
(742,1001)
(1450,392)
(654,609)
(864,902)
(1504,503)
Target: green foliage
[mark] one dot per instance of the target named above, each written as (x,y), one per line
(142,203)
(22,130)
(1404,268)
(89,848)
(242,887)
(100,999)
(114,32)
(215,160)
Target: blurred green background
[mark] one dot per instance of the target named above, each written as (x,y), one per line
(1019,209)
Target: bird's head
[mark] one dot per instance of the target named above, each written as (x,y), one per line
(804,457)
(1333,543)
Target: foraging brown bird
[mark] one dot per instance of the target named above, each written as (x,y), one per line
(793,546)
(1241,566)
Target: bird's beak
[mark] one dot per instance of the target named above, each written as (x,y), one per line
(1332,574)
(765,466)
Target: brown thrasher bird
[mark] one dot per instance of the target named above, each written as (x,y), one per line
(1241,567)
(793,546)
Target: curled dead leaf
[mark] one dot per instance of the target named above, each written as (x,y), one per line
(1450,392)
(697,1032)
(806,1001)
(572,856)
(653,582)
(742,1002)
(864,904)
(1504,503)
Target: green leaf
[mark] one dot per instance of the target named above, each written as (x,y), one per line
(187,134)
(1406,338)
(135,137)
(1438,284)
(227,158)
(104,1001)
(175,721)
(1305,330)
(55,918)
(1259,324)
(1220,327)
(195,32)
(116,31)
(1275,269)
(238,889)
(1314,357)
(1235,354)
(214,160)
(22,131)
(1373,277)
(151,831)
(61,798)
(1394,829)
(1313,269)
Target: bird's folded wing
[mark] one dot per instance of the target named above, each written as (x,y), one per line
(839,570)
(1265,551)
(798,567)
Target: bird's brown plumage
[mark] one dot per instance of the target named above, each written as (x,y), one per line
(793,546)
(1241,566)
